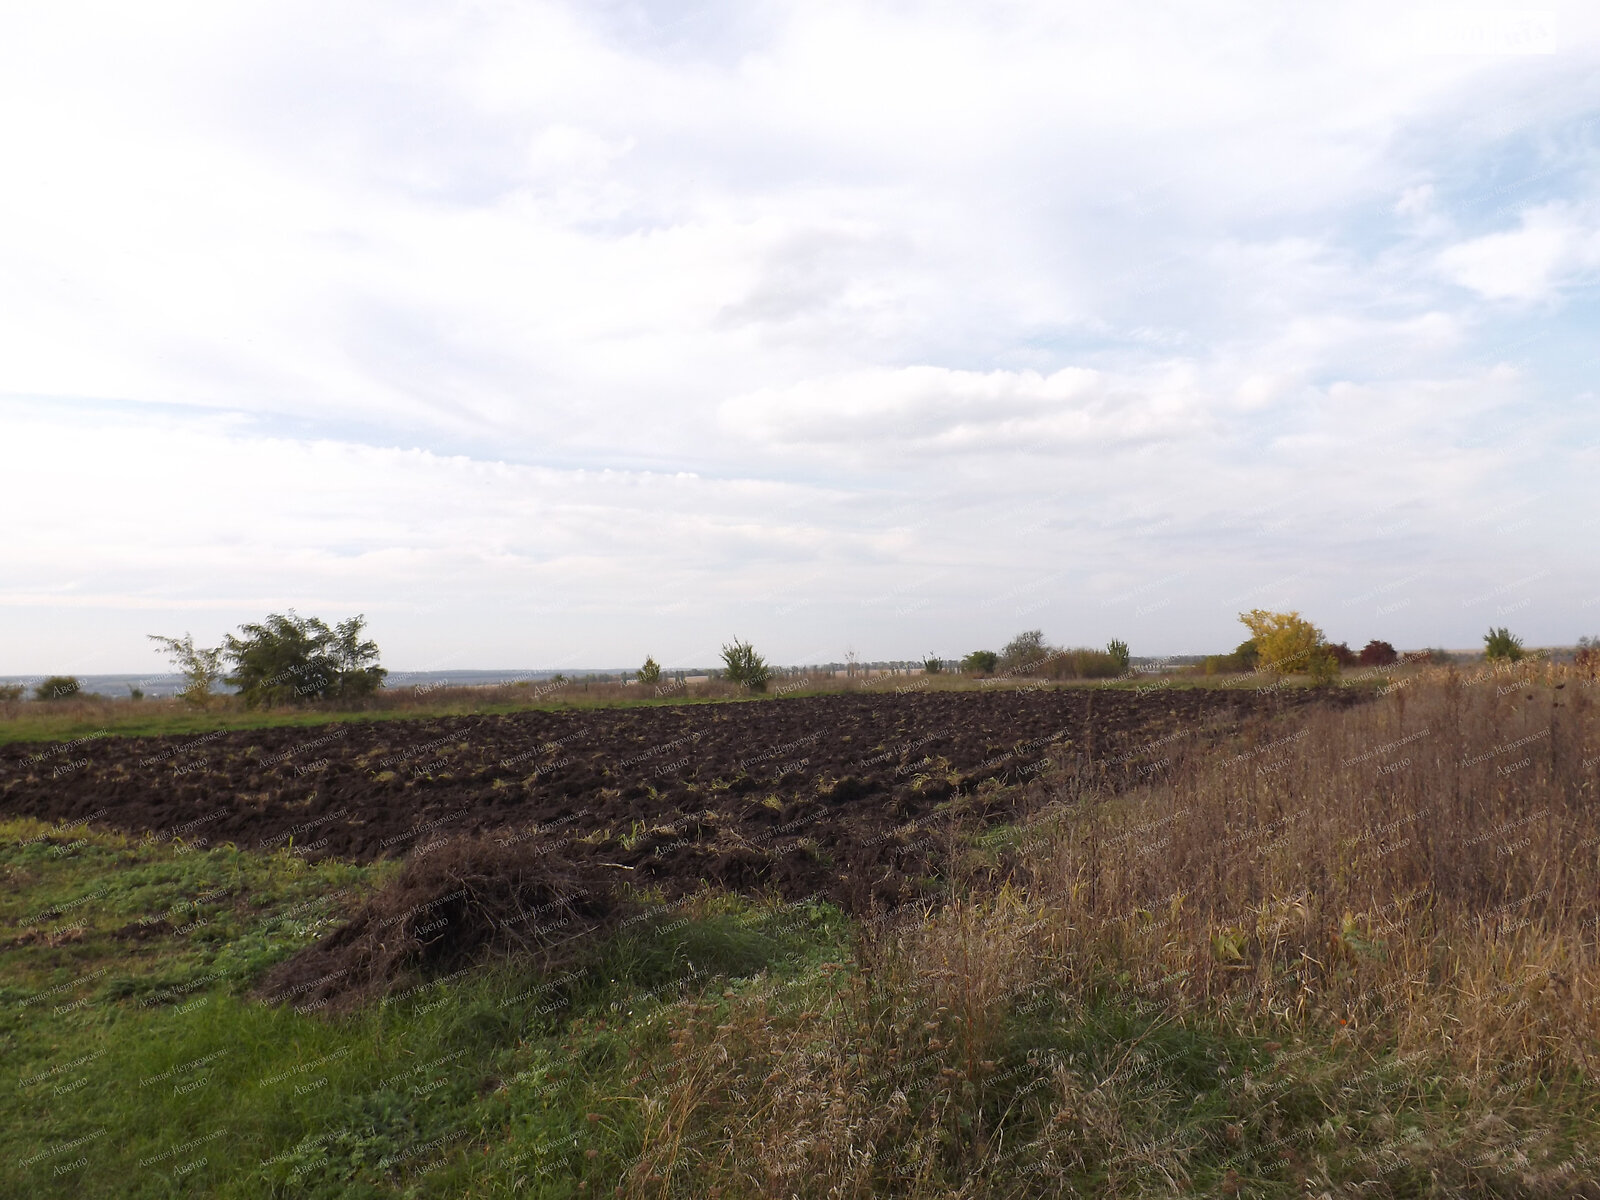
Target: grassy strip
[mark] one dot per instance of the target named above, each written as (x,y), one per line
(161,718)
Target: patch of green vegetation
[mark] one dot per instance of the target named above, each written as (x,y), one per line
(147,720)
(150,917)
(145,1068)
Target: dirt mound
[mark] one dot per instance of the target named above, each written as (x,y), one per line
(468,900)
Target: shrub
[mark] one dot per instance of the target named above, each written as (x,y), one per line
(1248,653)
(980,662)
(1342,654)
(10,692)
(1118,649)
(1502,644)
(1025,654)
(932,665)
(200,667)
(1084,664)
(1286,642)
(1324,665)
(1243,658)
(1377,654)
(744,666)
(289,659)
(650,673)
(57,687)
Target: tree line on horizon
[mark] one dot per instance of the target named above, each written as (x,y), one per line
(286,659)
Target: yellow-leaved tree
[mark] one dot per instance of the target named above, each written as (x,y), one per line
(1287,643)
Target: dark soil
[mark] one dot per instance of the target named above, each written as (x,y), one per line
(467,900)
(842,796)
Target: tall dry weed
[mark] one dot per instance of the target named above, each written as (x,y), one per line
(1373,929)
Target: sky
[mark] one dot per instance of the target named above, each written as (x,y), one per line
(551,334)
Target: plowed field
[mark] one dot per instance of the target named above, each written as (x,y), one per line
(839,795)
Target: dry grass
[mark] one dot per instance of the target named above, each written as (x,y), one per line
(1354,957)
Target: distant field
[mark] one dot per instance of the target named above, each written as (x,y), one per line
(31,721)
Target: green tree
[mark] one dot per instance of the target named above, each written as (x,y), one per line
(650,673)
(1286,643)
(201,668)
(743,665)
(1118,649)
(57,687)
(980,662)
(1502,644)
(289,659)
(933,664)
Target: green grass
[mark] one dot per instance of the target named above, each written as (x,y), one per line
(147,720)
(141,1067)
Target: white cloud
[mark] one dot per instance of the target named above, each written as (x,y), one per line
(1416,201)
(1555,246)
(916,409)
(556,305)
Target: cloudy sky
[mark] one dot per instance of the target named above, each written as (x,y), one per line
(555,334)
